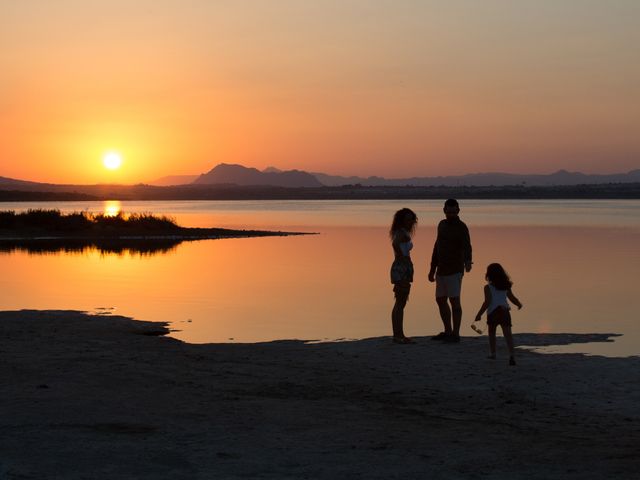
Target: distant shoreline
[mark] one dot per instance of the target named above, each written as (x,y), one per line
(609,191)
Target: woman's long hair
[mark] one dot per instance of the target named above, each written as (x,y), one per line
(497,276)
(400,219)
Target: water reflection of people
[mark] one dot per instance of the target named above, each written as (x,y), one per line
(451,258)
(401,233)
(497,292)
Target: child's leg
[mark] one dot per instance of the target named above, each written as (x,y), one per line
(492,339)
(506,331)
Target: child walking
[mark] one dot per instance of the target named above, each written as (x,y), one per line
(497,292)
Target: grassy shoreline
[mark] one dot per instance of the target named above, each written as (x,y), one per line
(43,225)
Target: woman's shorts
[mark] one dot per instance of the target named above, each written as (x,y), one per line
(402,270)
(500,316)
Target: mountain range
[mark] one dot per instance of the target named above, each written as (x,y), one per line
(239,175)
(226,174)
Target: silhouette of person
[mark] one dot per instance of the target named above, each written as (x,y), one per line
(450,259)
(401,233)
(497,292)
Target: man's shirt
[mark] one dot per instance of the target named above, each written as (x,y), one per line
(452,248)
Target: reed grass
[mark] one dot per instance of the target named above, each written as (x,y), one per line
(55,221)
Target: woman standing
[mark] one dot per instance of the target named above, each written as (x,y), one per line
(401,232)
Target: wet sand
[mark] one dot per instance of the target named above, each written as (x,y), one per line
(106,397)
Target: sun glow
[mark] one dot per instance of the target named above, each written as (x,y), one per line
(112,160)
(112,208)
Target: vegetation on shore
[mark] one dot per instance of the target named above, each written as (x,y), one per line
(53,224)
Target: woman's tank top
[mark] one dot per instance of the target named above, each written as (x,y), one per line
(405,247)
(498,299)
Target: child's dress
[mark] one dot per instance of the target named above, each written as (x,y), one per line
(498,310)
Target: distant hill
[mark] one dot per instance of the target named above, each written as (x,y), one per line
(41,192)
(12,182)
(26,186)
(226,174)
(561,177)
(174,180)
(238,175)
(234,182)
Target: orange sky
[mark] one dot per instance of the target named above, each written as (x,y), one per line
(393,88)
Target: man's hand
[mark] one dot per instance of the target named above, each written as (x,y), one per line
(432,276)
(467,266)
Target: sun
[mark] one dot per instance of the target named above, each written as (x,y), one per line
(112,160)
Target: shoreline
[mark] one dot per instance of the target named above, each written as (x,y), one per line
(41,225)
(102,396)
(594,191)
(181,237)
(187,234)
(145,244)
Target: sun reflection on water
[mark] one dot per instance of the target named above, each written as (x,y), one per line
(112,208)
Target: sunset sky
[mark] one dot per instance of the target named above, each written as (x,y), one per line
(354,87)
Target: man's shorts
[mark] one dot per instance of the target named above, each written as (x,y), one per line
(448,285)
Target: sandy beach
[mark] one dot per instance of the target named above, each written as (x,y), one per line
(106,397)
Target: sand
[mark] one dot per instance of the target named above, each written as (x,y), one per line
(106,397)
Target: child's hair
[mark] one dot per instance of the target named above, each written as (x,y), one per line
(498,277)
(399,221)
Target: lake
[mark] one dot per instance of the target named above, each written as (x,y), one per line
(574,264)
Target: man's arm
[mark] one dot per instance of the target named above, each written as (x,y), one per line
(468,258)
(434,262)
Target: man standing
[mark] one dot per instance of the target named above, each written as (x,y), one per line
(451,258)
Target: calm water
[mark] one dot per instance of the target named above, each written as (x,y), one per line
(574,263)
